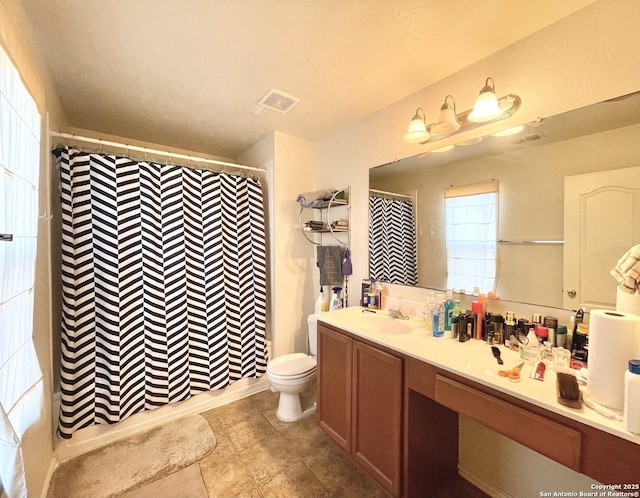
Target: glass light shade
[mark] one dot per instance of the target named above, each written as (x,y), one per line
(417,132)
(486,107)
(447,121)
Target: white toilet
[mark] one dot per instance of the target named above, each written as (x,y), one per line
(294,377)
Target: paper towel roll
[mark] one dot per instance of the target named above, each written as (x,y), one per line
(628,303)
(614,339)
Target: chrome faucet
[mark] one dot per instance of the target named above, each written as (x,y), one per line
(396,313)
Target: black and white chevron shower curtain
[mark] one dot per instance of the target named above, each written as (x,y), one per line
(164,285)
(392,241)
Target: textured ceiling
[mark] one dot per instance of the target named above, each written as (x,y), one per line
(188,73)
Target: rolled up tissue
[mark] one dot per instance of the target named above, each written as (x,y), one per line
(614,339)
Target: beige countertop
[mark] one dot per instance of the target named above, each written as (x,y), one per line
(472,360)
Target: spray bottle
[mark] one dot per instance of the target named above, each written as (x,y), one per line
(336,302)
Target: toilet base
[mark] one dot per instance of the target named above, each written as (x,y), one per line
(293,407)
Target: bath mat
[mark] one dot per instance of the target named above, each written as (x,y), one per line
(186,483)
(127,464)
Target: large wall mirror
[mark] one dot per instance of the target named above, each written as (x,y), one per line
(569,202)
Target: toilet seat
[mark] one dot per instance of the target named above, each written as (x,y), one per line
(291,366)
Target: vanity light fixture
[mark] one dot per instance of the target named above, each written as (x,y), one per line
(487,110)
(447,121)
(417,132)
(486,107)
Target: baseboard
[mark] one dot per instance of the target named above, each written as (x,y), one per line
(481,483)
(96,436)
(53,465)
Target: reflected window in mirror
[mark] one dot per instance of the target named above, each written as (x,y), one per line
(471,233)
(392,238)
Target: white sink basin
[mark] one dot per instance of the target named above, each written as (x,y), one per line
(380,323)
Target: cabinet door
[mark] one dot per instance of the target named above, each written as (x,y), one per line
(377,414)
(334,385)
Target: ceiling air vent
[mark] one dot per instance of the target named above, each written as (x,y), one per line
(278,101)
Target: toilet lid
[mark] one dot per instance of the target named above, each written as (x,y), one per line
(292,364)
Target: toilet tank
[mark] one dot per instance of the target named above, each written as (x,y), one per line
(312,322)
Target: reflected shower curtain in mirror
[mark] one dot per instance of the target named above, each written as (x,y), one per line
(392,241)
(164,285)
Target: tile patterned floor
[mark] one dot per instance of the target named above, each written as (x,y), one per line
(258,456)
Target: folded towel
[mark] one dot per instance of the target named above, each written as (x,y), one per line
(310,199)
(330,265)
(627,271)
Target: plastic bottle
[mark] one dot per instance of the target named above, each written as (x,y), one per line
(336,302)
(561,336)
(631,414)
(438,319)
(427,317)
(372,296)
(379,295)
(449,305)
(321,302)
(478,308)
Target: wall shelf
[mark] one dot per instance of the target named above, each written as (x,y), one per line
(339,234)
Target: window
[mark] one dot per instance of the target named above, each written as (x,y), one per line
(471,227)
(20,376)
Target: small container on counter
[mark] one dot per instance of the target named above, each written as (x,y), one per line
(466,326)
(631,414)
(497,323)
(561,336)
(542,333)
(455,322)
(551,322)
(561,358)
(478,309)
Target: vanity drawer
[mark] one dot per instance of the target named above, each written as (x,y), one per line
(549,438)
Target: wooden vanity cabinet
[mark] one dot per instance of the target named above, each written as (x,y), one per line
(333,413)
(360,403)
(396,413)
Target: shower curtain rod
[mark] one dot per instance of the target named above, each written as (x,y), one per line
(389,193)
(147,150)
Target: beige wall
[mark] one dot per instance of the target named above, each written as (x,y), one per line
(585,58)
(289,161)
(293,256)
